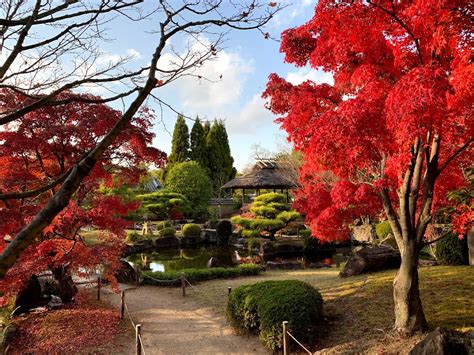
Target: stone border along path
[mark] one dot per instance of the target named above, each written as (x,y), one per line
(172,324)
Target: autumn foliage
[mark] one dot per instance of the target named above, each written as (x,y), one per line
(402,71)
(38,150)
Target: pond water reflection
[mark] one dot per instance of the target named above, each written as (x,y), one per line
(198,258)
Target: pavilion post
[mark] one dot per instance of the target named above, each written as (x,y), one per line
(243,197)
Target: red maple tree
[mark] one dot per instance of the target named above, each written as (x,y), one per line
(393,134)
(37,153)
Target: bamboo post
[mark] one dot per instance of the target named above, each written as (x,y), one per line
(138,344)
(99,284)
(285,338)
(122,304)
(229,290)
(183,284)
(137,276)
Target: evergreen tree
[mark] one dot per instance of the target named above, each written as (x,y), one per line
(198,145)
(207,128)
(180,143)
(219,157)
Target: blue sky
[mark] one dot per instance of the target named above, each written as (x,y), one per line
(245,63)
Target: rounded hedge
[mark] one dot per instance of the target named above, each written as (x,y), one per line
(452,250)
(167,232)
(133,237)
(191,229)
(262,307)
(383,229)
(163,224)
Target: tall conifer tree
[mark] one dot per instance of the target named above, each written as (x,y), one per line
(219,156)
(198,145)
(180,143)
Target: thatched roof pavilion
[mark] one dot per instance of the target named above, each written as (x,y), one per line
(266,175)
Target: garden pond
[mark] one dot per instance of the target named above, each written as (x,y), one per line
(227,256)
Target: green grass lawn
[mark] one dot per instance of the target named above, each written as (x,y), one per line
(359,310)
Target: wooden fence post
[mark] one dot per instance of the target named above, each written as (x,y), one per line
(122,304)
(138,344)
(229,290)
(285,338)
(183,284)
(99,284)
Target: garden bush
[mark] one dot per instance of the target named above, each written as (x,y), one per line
(191,180)
(198,275)
(167,232)
(305,233)
(191,230)
(262,307)
(163,224)
(250,233)
(383,229)
(452,250)
(133,237)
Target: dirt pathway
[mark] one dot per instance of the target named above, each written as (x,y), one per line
(172,324)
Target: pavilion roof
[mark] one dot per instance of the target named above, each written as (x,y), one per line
(266,174)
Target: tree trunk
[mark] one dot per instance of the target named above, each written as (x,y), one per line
(409,315)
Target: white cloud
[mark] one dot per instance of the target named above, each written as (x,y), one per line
(306,73)
(251,117)
(215,87)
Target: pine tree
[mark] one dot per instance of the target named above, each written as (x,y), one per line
(207,128)
(198,151)
(219,156)
(180,143)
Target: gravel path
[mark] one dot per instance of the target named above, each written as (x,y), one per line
(172,324)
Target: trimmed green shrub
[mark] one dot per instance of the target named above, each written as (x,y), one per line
(288,216)
(452,250)
(191,230)
(271,197)
(191,180)
(264,223)
(244,222)
(163,224)
(133,237)
(250,233)
(167,232)
(262,307)
(305,233)
(198,275)
(383,229)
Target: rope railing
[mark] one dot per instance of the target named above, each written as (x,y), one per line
(140,349)
(286,340)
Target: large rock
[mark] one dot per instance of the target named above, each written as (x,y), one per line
(209,235)
(139,247)
(224,231)
(29,297)
(287,248)
(214,262)
(443,341)
(370,259)
(267,249)
(167,242)
(126,273)
(192,240)
(365,233)
(284,264)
